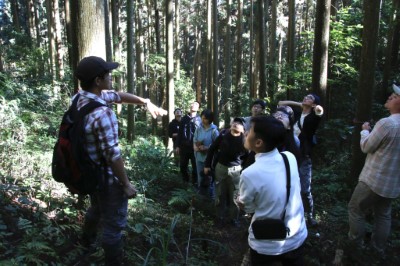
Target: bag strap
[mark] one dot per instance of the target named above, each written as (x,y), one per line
(287,166)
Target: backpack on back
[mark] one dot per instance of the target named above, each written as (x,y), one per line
(71,163)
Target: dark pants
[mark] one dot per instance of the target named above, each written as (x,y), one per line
(186,154)
(291,258)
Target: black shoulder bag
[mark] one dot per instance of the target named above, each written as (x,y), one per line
(274,229)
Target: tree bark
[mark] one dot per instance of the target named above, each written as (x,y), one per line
(321,42)
(169,21)
(91,29)
(262,91)
(366,83)
(30,13)
(107,33)
(227,92)
(116,40)
(215,92)
(251,51)
(157,28)
(239,57)
(130,12)
(291,46)
(388,70)
(51,38)
(59,54)
(15,17)
(209,55)
(272,51)
(177,43)
(139,42)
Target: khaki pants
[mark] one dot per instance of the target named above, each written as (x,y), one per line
(226,185)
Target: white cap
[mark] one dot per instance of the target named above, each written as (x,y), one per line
(396,89)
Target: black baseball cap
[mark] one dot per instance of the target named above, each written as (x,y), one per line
(239,120)
(92,66)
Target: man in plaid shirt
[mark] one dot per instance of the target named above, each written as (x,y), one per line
(110,201)
(379,181)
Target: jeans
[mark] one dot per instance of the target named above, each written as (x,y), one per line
(226,183)
(205,191)
(363,200)
(305,172)
(111,206)
(291,258)
(186,154)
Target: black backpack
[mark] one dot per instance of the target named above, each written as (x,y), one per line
(71,163)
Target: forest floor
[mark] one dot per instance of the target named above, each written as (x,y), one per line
(327,243)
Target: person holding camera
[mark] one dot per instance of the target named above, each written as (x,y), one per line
(379,181)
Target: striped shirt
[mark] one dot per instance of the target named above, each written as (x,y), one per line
(381,169)
(101,127)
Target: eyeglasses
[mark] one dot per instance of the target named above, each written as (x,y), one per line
(310,97)
(280,115)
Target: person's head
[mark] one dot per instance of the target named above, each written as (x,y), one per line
(237,125)
(194,106)
(286,115)
(266,133)
(93,71)
(207,117)
(178,114)
(257,107)
(311,100)
(393,102)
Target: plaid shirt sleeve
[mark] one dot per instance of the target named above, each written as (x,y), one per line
(370,141)
(105,131)
(110,96)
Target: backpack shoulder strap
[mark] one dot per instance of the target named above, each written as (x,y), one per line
(287,166)
(88,108)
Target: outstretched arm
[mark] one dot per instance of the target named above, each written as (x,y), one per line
(133,99)
(292,103)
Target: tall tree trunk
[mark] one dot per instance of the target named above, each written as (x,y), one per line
(30,13)
(130,12)
(209,55)
(15,17)
(227,92)
(291,46)
(366,82)
(321,42)
(88,28)
(107,31)
(251,51)
(59,54)
(215,93)
(116,40)
(262,51)
(71,8)
(157,28)
(37,25)
(272,51)
(51,38)
(139,42)
(388,68)
(239,57)
(169,22)
(177,43)
(91,29)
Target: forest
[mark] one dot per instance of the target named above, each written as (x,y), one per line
(221,53)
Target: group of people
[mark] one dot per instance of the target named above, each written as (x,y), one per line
(247,169)
(247,164)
